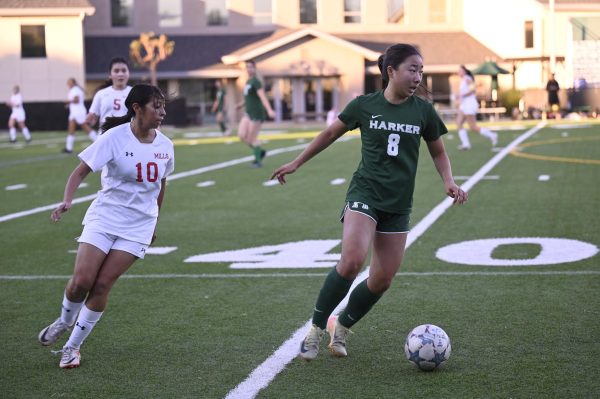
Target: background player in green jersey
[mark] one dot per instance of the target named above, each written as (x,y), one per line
(218,107)
(379,199)
(257,109)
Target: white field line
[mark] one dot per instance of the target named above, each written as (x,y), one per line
(211,276)
(174,176)
(261,376)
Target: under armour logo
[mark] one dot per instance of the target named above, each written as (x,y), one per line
(80,326)
(143,250)
(128,154)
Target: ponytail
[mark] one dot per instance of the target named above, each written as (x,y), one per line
(384,75)
(114,121)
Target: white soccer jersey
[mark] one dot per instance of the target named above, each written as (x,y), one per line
(109,102)
(468,104)
(126,205)
(18,112)
(77,109)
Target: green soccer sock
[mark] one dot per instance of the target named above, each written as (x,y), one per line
(333,291)
(257,150)
(360,302)
(223,127)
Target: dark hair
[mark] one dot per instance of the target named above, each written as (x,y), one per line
(115,60)
(141,94)
(464,68)
(394,56)
(251,62)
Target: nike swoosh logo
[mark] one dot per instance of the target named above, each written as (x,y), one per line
(302,348)
(43,339)
(375,116)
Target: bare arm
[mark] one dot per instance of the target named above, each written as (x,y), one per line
(442,164)
(91,119)
(77,176)
(265,103)
(322,141)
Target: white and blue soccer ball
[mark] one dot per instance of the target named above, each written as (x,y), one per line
(427,346)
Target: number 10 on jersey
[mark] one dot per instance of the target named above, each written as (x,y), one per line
(151,172)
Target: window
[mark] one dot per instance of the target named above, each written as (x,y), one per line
(33,41)
(263,10)
(352,11)
(528,34)
(437,11)
(169,13)
(216,12)
(308,11)
(395,11)
(121,12)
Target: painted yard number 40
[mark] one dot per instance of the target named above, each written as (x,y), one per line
(315,254)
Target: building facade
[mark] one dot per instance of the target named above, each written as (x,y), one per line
(314,55)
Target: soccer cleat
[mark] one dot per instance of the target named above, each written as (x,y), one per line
(309,348)
(65,151)
(50,334)
(338,333)
(70,359)
(464,147)
(255,164)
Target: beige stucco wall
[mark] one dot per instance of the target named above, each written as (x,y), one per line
(42,79)
(348,64)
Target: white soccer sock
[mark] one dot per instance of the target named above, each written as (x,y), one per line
(70,142)
(13,134)
(464,138)
(83,327)
(26,133)
(93,135)
(69,311)
(487,133)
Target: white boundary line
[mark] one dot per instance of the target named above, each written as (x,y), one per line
(210,276)
(174,176)
(268,370)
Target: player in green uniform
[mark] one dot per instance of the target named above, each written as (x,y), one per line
(257,110)
(392,123)
(218,107)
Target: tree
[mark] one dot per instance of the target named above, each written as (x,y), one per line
(149,50)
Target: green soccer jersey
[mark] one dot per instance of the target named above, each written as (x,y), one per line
(391,135)
(220,99)
(254,107)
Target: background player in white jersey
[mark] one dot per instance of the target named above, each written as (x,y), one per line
(110,100)
(468,110)
(120,223)
(77,114)
(17,116)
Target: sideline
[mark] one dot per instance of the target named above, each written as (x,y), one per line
(174,176)
(211,276)
(266,372)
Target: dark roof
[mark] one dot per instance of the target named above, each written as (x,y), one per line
(437,48)
(190,53)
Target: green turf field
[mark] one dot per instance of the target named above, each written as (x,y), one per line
(522,308)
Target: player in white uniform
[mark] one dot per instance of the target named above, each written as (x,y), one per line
(467,111)
(110,101)
(120,223)
(17,116)
(77,114)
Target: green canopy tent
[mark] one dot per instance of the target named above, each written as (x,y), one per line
(492,69)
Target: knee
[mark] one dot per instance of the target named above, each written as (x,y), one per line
(101,288)
(77,288)
(350,265)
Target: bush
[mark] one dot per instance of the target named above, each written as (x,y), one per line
(510,99)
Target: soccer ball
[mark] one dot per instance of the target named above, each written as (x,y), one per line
(427,346)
